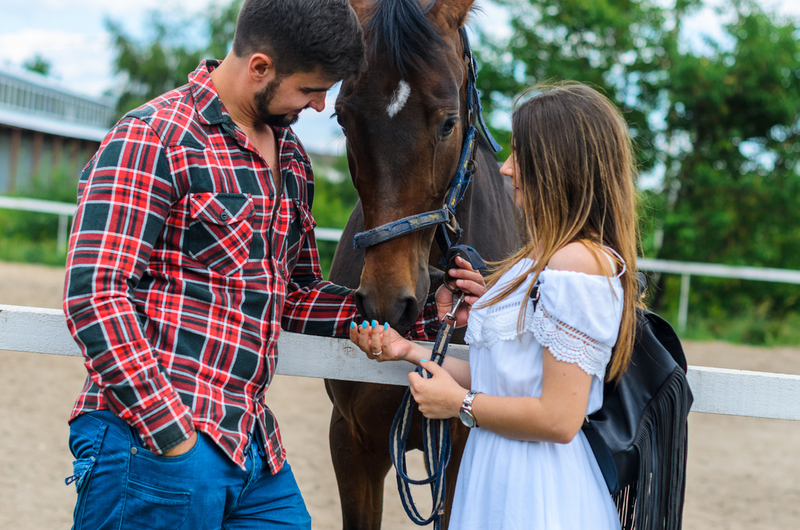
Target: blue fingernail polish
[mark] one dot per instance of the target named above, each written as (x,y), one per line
(423,360)
(385,325)
(364,324)
(352,325)
(374,323)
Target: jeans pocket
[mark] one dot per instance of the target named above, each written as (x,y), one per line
(85,441)
(150,507)
(82,470)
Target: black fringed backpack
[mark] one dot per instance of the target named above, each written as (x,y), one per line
(639,436)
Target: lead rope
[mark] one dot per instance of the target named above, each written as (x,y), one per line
(435,437)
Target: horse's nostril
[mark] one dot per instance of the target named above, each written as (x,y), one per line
(362,304)
(399,311)
(407,312)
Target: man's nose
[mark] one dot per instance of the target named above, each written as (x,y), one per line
(318,102)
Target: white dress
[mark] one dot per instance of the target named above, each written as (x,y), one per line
(506,484)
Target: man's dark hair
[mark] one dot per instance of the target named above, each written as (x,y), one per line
(302,36)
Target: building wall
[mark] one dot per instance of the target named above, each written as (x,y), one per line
(45,129)
(26,156)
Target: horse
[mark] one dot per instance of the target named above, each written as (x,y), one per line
(406,119)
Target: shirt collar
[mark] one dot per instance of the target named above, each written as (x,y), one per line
(206,99)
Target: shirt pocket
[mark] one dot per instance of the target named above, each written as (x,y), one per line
(220,230)
(301,223)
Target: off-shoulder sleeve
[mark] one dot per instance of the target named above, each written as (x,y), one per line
(578,317)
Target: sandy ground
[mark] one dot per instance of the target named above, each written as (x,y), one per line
(744,473)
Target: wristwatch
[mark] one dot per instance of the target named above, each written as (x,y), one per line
(465,414)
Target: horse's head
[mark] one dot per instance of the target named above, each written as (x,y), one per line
(405,119)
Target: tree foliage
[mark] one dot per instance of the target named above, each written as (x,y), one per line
(38,64)
(172,48)
(716,123)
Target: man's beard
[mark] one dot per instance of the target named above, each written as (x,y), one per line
(263,98)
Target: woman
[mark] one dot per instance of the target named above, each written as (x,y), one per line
(536,370)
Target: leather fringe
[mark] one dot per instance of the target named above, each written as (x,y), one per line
(655,500)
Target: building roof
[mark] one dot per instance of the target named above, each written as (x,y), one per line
(29,100)
(50,125)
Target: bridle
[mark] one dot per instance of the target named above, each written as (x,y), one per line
(448,231)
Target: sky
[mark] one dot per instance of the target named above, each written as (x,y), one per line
(70,34)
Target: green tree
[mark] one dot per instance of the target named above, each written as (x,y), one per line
(39,64)
(623,48)
(172,49)
(719,126)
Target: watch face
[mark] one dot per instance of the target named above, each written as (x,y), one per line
(466,418)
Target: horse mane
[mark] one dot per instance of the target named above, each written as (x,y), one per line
(401,30)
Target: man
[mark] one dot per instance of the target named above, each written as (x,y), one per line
(193,241)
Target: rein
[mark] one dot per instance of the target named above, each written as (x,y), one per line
(445,218)
(435,433)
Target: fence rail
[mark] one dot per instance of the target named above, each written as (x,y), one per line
(62,209)
(686,269)
(716,390)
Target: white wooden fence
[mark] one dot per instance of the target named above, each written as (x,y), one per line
(716,390)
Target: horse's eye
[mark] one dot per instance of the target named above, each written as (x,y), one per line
(449,125)
(340,122)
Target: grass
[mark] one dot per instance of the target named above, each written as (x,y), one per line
(20,250)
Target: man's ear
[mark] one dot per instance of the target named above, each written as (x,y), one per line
(260,68)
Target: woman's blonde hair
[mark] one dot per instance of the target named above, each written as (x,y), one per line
(576,166)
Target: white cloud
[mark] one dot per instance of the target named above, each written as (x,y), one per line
(80,60)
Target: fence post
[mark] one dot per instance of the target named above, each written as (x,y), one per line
(61,244)
(683,308)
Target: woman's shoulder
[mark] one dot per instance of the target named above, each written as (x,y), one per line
(579,257)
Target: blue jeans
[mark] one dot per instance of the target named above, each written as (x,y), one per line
(121,485)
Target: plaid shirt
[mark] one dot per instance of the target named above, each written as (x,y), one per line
(183,263)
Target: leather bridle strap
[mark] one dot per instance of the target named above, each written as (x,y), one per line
(461,181)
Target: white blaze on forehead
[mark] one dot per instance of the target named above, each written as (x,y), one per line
(399,98)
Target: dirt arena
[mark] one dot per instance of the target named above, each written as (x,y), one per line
(744,473)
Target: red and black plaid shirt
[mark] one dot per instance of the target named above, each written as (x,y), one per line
(183,263)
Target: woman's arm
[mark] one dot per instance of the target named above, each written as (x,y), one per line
(555,416)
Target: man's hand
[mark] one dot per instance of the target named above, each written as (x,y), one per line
(183,447)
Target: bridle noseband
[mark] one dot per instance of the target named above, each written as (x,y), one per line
(445,218)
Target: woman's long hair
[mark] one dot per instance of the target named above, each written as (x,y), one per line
(576,167)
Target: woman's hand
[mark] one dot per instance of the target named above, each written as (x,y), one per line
(439,397)
(471,284)
(381,343)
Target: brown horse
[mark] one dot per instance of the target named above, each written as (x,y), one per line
(405,119)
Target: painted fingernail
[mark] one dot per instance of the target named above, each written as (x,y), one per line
(423,360)
(364,324)
(352,325)
(374,323)
(385,325)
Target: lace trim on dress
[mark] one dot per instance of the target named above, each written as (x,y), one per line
(488,327)
(569,345)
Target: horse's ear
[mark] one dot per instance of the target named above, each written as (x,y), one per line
(450,14)
(362,8)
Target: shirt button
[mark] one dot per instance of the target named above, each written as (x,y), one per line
(224,216)
(134,450)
